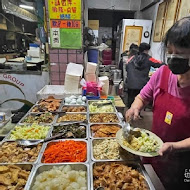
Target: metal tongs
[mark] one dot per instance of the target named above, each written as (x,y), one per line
(24,142)
(128,131)
(52,112)
(101,104)
(100,188)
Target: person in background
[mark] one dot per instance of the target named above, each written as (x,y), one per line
(138,68)
(169,89)
(125,56)
(133,50)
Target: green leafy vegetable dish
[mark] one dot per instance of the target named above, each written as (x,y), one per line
(94,108)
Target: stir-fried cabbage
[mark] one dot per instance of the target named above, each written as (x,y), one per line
(100,109)
(144,143)
(29,132)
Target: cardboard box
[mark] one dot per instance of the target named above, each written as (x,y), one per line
(93,24)
(90,77)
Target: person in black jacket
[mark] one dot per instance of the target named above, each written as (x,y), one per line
(138,68)
(133,50)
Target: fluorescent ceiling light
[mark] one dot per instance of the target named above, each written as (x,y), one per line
(26,7)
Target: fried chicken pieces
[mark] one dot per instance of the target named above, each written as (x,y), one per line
(104,130)
(116,176)
(11,152)
(13,177)
(74,109)
(49,104)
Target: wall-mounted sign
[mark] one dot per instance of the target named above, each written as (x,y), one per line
(55,37)
(184,9)
(133,34)
(65,9)
(65,24)
(66,38)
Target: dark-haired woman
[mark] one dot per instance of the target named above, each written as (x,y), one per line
(169,88)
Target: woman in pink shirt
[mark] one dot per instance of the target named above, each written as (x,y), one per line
(169,89)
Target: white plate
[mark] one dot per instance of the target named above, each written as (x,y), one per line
(120,140)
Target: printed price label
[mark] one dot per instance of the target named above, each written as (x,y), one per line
(168,118)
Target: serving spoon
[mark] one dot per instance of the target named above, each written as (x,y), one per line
(52,112)
(128,131)
(24,142)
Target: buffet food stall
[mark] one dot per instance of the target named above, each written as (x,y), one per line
(86,155)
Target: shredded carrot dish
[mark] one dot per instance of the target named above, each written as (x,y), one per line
(65,151)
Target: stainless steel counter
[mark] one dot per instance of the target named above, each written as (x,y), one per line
(153,177)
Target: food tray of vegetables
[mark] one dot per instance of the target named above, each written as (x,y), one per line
(108,150)
(119,175)
(38,118)
(61,176)
(75,130)
(101,106)
(65,150)
(76,108)
(12,152)
(104,118)
(29,132)
(100,130)
(71,117)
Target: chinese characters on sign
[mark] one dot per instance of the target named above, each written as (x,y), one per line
(55,33)
(65,23)
(65,9)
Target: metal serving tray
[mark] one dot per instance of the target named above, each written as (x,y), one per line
(68,95)
(35,162)
(45,167)
(64,124)
(91,101)
(124,155)
(7,138)
(24,166)
(119,120)
(92,143)
(30,111)
(62,106)
(46,145)
(91,133)
(39,101)
(134,165)
(83,113)
(28,114)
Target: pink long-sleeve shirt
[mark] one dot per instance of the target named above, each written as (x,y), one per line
(152,88)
